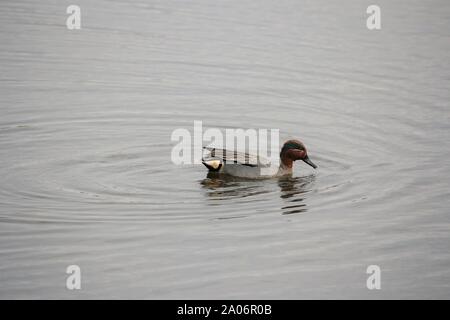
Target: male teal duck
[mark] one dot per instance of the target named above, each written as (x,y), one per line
(246,165)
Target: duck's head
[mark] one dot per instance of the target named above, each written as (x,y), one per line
(294,150)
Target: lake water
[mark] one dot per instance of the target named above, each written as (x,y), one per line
(87,178)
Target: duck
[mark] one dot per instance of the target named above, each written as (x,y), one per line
(246,165)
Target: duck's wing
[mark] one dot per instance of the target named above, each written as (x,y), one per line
(228,156)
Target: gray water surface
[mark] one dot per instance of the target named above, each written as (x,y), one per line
(87,177)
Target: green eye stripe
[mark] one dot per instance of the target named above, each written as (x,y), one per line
(292,145)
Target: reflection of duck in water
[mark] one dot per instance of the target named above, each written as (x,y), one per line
(222,188)
(293,191)
(249,166)
(225,187)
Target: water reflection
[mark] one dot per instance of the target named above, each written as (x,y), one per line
(225,187)
(292,191)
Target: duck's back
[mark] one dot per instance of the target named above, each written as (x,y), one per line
(237,164)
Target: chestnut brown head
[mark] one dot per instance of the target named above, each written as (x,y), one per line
(295,150)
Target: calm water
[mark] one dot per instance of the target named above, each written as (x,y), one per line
(86,174)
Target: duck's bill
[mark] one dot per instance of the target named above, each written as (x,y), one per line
(308,161)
